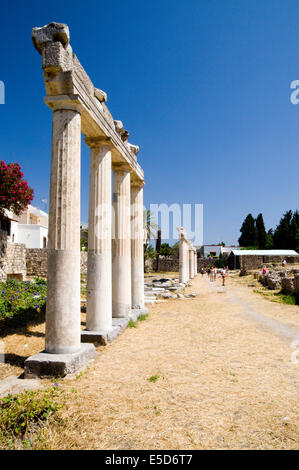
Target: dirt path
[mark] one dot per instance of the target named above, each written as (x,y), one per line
(225,380)
(224,377)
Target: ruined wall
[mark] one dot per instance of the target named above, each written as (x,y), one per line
(36,261)
(248,262)
(15,261)
(172,265)
(3,245)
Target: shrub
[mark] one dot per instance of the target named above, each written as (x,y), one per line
(21,302)
(20,413)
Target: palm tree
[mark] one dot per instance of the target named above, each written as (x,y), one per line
(150,227)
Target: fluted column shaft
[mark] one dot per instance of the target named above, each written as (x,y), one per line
(191,263)
(137,237)
(183,259)
(99,264)
(121,244)
(63,296)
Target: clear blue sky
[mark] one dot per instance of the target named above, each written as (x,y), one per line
(203,86)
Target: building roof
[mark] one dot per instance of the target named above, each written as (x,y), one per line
(265,252)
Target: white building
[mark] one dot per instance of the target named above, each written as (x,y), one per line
(30,228)
(215,250)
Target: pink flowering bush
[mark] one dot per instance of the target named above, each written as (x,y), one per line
(15,194)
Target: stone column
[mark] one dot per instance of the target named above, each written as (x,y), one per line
(63,292)
(183,257)
(195,262)
(99,265)
(191,262)
(137,238)
(121,243)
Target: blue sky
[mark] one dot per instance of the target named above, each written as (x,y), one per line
(203,86)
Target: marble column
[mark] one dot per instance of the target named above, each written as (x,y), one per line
(195,261)
(121,243)
(63,292)
(99,264)
(183,257)
(137,238)
(191,262)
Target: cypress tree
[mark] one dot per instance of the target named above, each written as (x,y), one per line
(261,232)
(248,232)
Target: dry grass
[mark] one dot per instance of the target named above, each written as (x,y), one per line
(224,382)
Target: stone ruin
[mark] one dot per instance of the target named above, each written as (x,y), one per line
(157,290)
(115,278)
(287,280)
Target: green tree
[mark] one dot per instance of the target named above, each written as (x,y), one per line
(150,227)
(149,252)
(248,232)
(284,232)
(260,232)
(166,249)
(269,240)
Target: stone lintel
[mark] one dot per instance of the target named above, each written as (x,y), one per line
(94,142)
(58,365)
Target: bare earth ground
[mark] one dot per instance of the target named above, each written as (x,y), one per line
(226,379)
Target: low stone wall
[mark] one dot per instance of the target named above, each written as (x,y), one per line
(36,261)
(250,262)
(172,265)
(15,261)
(3,246)
(165,265)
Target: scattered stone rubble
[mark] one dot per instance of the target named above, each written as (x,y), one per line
(287,280)
(162,289)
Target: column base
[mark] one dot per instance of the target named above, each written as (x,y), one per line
(136,312)
(103,337)
(47,365)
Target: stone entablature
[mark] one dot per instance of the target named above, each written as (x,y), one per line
(68,86)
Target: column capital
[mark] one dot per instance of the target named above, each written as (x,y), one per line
(100,141)
(137,183)
(64,102)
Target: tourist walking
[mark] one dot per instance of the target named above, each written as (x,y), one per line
(223,274)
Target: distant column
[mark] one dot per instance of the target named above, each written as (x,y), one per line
(195,261)
(121,243)
(137,237)
(99,265)
(183,256)
(191,262)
